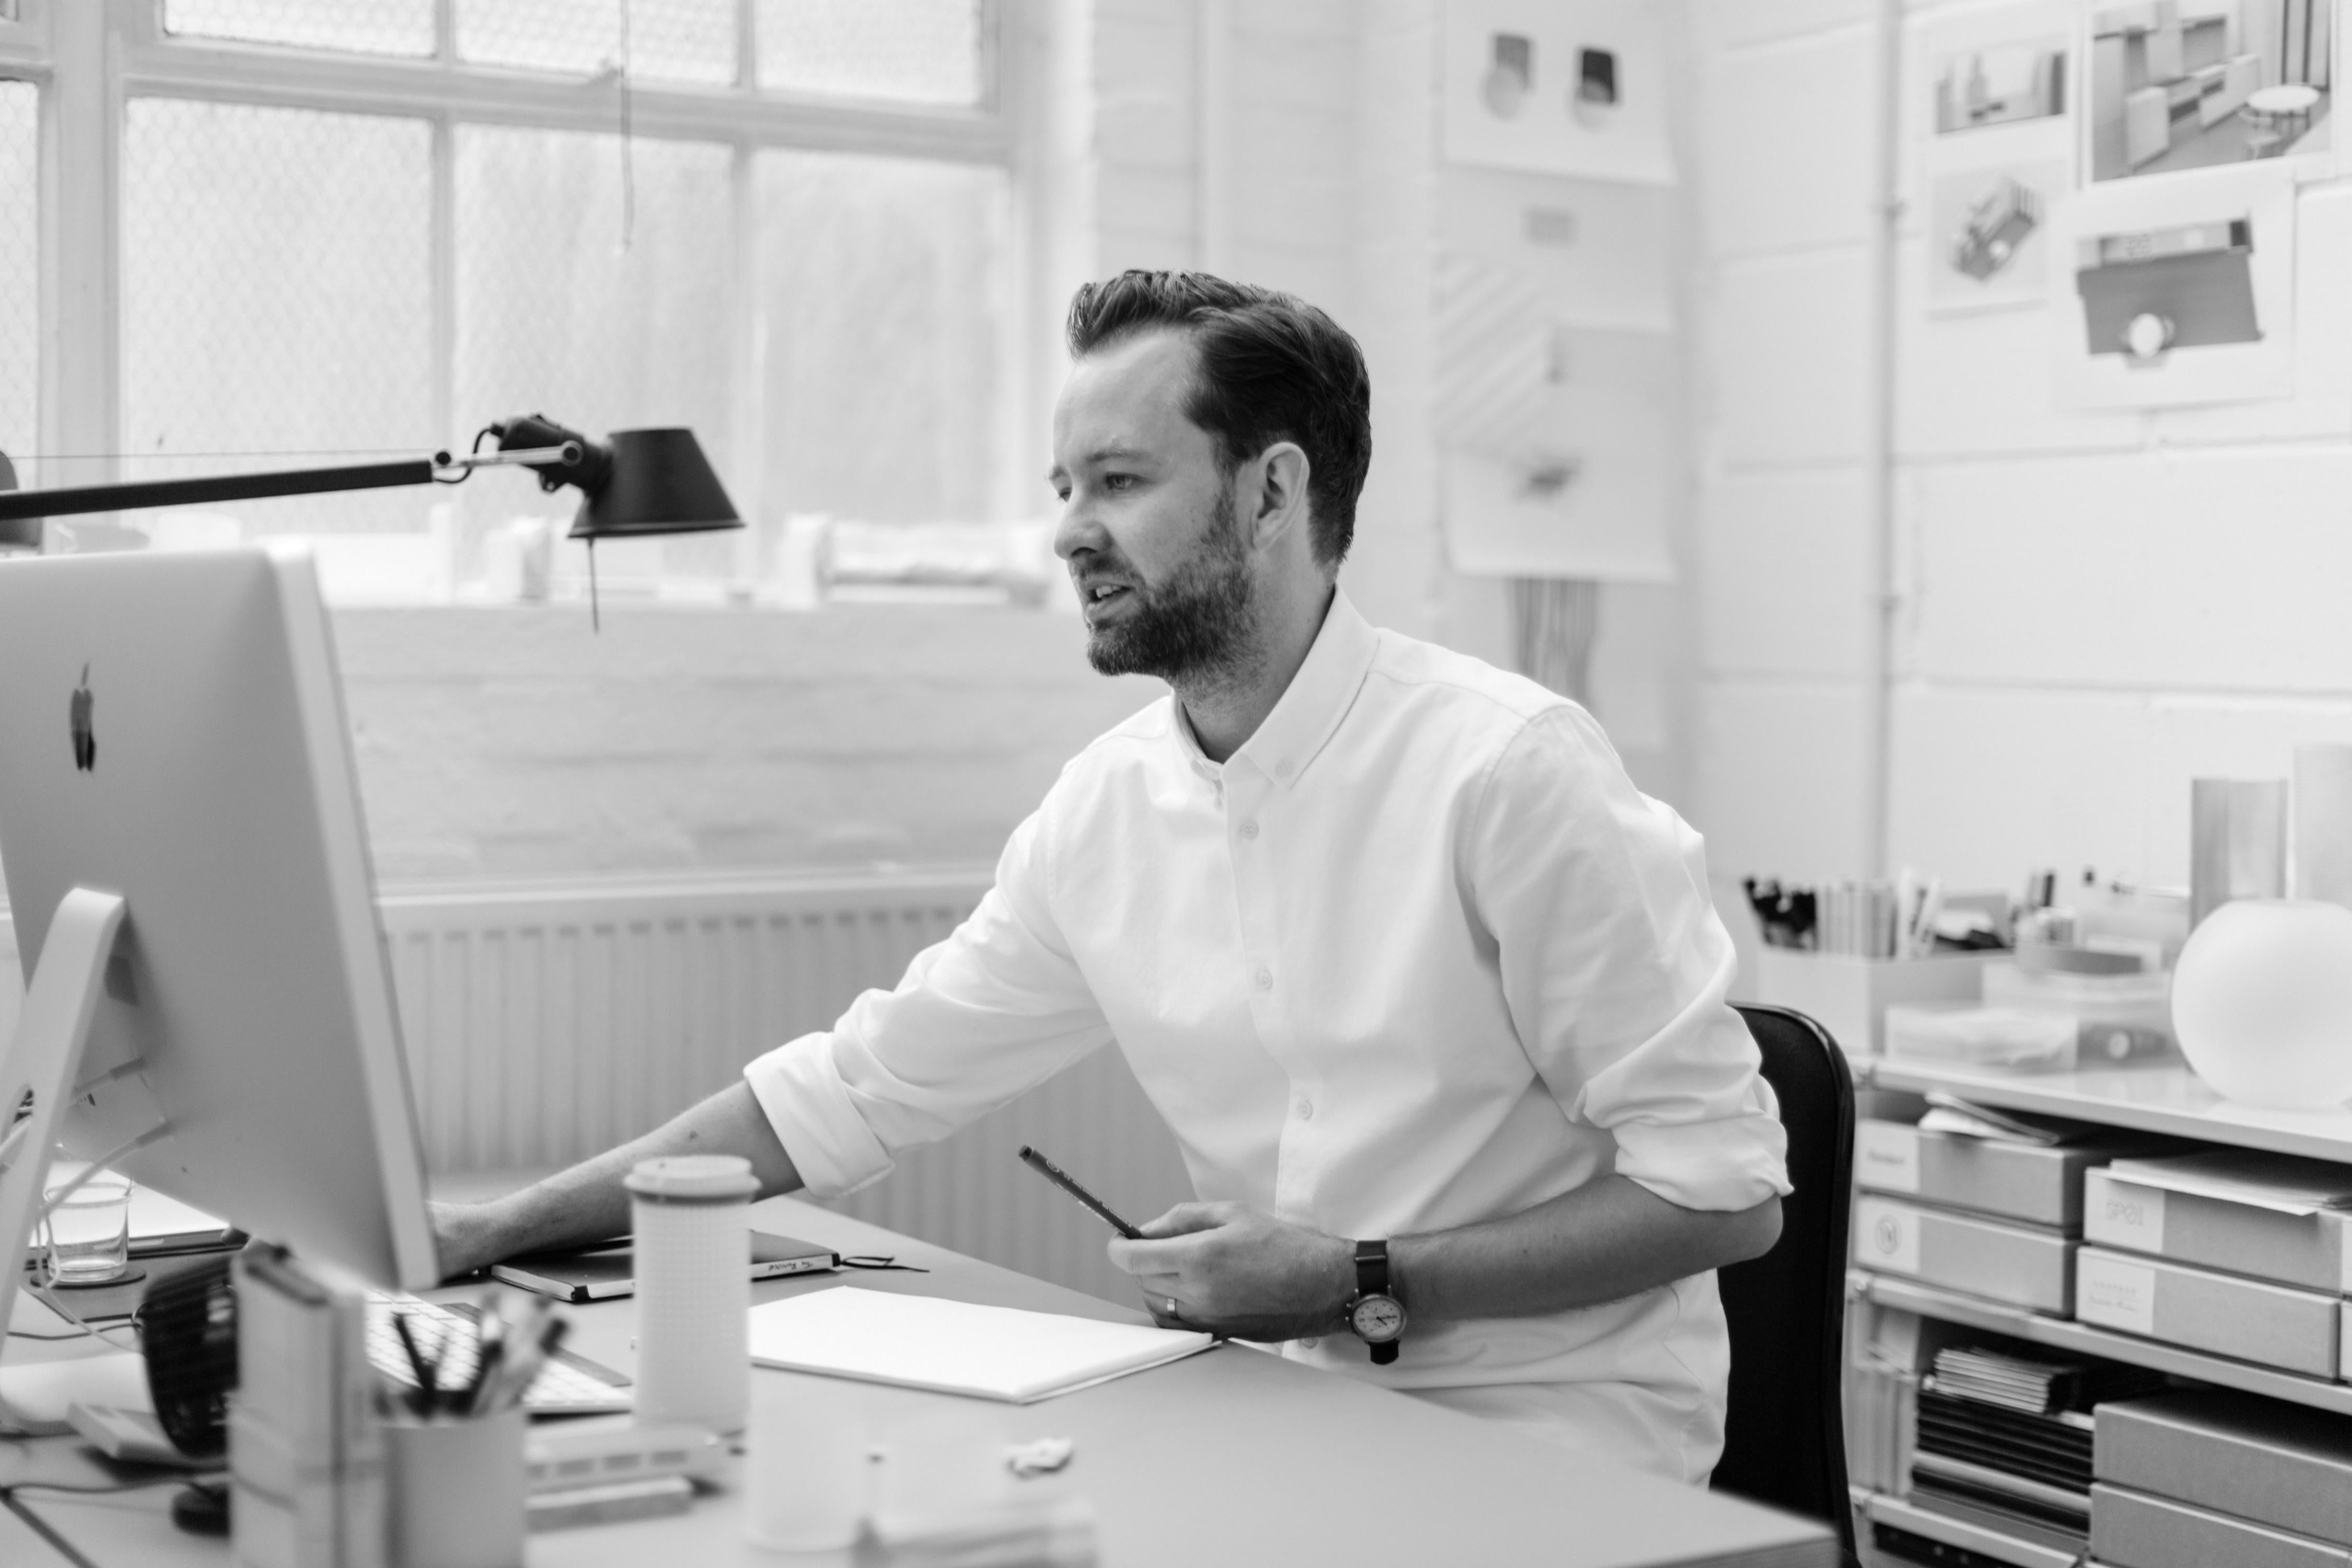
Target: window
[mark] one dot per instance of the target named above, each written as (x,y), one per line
(353,227)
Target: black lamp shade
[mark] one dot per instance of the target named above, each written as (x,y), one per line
(660,483)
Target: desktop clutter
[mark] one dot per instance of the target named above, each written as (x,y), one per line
(362,1429)
(2252,987)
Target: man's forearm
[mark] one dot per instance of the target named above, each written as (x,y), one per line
(588,1203)
(1606,1240)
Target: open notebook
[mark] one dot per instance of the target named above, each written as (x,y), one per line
(955,1347)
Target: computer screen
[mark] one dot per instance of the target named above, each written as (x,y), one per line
(172,731)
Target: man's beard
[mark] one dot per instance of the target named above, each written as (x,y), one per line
(1191,630)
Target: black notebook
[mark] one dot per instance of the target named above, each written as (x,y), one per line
(601,1273)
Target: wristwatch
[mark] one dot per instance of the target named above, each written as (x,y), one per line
(1376,1316)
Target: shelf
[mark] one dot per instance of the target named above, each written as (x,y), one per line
(1909,1296)
(2169,1099)
(1885,1509)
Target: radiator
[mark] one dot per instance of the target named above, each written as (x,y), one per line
(546,1022)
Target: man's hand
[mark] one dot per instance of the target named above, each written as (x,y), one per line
(1234,1272)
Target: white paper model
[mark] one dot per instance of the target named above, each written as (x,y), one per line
(2172,85)
(1557,86)
(1989,236)
(2182,291)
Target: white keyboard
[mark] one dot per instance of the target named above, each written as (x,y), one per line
(567,1386)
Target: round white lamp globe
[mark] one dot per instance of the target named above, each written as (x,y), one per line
(2262,1002)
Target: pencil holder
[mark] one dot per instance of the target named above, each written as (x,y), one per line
(693,1254)
(458,1490)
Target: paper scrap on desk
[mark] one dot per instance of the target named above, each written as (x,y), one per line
(956,1347)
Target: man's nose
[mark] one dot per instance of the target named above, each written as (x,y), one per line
(1076,530)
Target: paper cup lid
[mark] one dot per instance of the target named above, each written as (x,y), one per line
(693,1178)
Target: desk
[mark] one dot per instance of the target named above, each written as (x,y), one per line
(1229,1458)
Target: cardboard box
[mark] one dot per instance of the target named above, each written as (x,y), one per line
(2015,1181)
(2305,1250)
(2023,1266)
(2294,1331)
(2262,1460)
(1849,996)
(2132,1531)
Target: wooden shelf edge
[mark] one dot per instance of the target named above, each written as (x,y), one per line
(1909,1296)
(1885,1509)
(2049,1097)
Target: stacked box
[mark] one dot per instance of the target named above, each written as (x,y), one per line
(2275,1464)
(2294,1331)
(2309,1251)
(306,1447)
(2023,1265)
(2129,1529)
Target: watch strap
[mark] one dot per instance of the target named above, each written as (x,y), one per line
(1372,1268)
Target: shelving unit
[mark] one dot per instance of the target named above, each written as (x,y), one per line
(2169,1101)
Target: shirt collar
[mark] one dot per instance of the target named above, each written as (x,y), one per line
(1319,696)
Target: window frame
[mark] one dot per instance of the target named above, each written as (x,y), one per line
(90,57)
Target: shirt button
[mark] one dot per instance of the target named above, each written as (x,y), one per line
(1263,980)
(1249,828)
(1306,1110)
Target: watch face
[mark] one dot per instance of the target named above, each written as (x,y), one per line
(1378,1320)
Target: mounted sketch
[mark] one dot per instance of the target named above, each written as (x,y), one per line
(2183,289)
(1989,236)
(2174,85)
(1557,86)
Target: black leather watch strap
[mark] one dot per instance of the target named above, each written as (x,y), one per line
(1372,1268)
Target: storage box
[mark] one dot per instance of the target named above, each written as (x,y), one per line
(2305,1250)
(1849,996)
(2129,1529)
(2022,1265)
(2262,1460)
(2294,1331)
(2015,1181)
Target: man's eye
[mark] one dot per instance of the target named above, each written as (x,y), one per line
(1118,482)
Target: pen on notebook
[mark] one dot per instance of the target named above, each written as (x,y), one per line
(1056,1175)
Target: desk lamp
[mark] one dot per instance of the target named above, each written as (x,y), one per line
(644,482)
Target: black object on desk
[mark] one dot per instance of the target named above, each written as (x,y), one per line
(601,1273)
(1062,1179)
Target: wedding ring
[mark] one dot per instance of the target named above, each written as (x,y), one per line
(1172,1306)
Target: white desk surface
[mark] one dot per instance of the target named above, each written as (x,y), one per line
(1229,1458)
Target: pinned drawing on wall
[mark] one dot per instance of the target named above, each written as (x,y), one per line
(1989,236)
(2178,85)
(1557,86)
(2183,289)
(1993,88)
(1600,254)
(2002,84)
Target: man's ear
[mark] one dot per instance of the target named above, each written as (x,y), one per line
(1274,499)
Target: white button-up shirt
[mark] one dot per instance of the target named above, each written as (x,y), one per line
(1418,955)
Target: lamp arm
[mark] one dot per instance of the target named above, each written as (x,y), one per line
(132,495)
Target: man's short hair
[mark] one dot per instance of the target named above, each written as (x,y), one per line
(1273,368)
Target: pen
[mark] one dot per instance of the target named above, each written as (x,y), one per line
(1056,1175)
(421,1398)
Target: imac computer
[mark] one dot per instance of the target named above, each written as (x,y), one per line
(209,1007)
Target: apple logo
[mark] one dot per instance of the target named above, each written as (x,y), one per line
(85,739)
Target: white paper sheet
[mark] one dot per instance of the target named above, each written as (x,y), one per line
(956,1347)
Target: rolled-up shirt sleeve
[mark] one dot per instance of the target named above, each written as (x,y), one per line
(1616,967)
(994,1009)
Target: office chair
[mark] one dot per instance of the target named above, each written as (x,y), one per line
(1784,1430)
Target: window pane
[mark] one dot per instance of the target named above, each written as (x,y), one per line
(277,298)
(921,51)
(603,306)
(20,277)
(882,284)
(363,26)
(673,40)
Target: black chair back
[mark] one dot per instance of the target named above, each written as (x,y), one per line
(1784,1429)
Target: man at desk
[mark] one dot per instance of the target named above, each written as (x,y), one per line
(1387,935)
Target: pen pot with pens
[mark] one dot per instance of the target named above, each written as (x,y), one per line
(1843,952)
(454,1441)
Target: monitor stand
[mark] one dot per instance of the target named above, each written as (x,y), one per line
(52,1037)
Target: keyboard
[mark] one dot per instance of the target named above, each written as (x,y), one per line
(567,1385)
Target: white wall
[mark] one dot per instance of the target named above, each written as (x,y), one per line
(2093,608)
